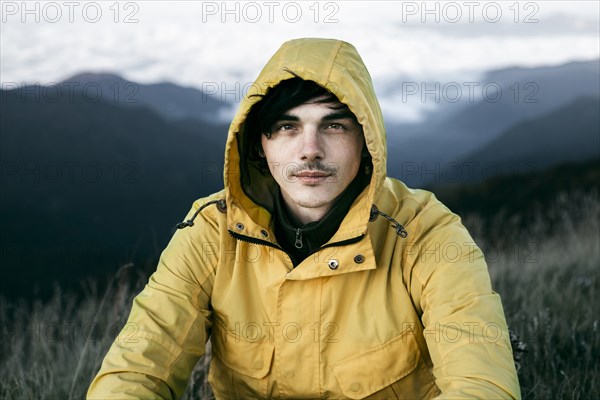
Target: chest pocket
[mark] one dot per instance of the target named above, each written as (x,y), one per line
(239,367)
(393,370)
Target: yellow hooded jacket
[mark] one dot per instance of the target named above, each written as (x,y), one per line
(396,305)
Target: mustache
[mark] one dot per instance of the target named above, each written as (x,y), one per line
(313,166)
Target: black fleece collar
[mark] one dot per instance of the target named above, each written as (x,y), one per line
(300,242)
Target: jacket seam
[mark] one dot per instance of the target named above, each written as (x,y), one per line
(478,342)
(177,355)
(336,53)
(319,341)
(210,221)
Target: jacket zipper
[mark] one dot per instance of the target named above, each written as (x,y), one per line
(252,240)
(298,243)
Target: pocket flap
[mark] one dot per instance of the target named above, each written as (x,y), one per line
(364,374)
(246,357)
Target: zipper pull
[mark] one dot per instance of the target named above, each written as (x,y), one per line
(298,243)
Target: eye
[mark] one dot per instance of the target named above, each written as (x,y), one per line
(335,126)
(285,127)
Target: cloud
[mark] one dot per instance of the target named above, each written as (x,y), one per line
(188,43)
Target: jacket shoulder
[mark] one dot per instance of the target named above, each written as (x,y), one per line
(436,241)
(202,224)
(409,205)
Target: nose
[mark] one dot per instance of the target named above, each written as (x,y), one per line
(311,145)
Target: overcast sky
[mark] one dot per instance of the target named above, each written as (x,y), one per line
(204,44)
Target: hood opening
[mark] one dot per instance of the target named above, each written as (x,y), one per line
(336,66)
(256,179)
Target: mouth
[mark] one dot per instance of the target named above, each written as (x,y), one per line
(312,177)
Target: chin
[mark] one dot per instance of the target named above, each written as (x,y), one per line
(312,202)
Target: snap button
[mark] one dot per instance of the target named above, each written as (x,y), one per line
(264,233)
(355,387)
(222,206)
(258,364)
(359,258)
(289,374)
(333,264)
(239,226)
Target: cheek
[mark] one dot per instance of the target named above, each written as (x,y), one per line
(353,165)
(354,150)
(272,148)
(268,152)
(274,161)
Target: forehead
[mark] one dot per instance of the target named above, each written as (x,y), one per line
(318,106)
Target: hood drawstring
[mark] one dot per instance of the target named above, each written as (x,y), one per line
(221,205)
(400,231)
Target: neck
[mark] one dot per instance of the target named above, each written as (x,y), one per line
(301,216)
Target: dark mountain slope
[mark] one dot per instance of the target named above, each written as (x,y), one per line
(88,186)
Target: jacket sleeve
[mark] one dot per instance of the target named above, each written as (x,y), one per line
(465,326)
(168,326)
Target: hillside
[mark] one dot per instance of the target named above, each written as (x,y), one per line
(93,185)
(521,194)
(570,133)
(451,131)
(172,102)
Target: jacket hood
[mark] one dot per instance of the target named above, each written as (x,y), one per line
(336,66)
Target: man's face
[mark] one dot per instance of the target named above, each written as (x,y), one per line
(313,153)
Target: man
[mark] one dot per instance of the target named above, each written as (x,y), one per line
(313,274)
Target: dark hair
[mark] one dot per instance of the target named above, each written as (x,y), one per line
(286,95)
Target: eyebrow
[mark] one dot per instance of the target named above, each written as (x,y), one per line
(339,115)
(329,117)
(287,117)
